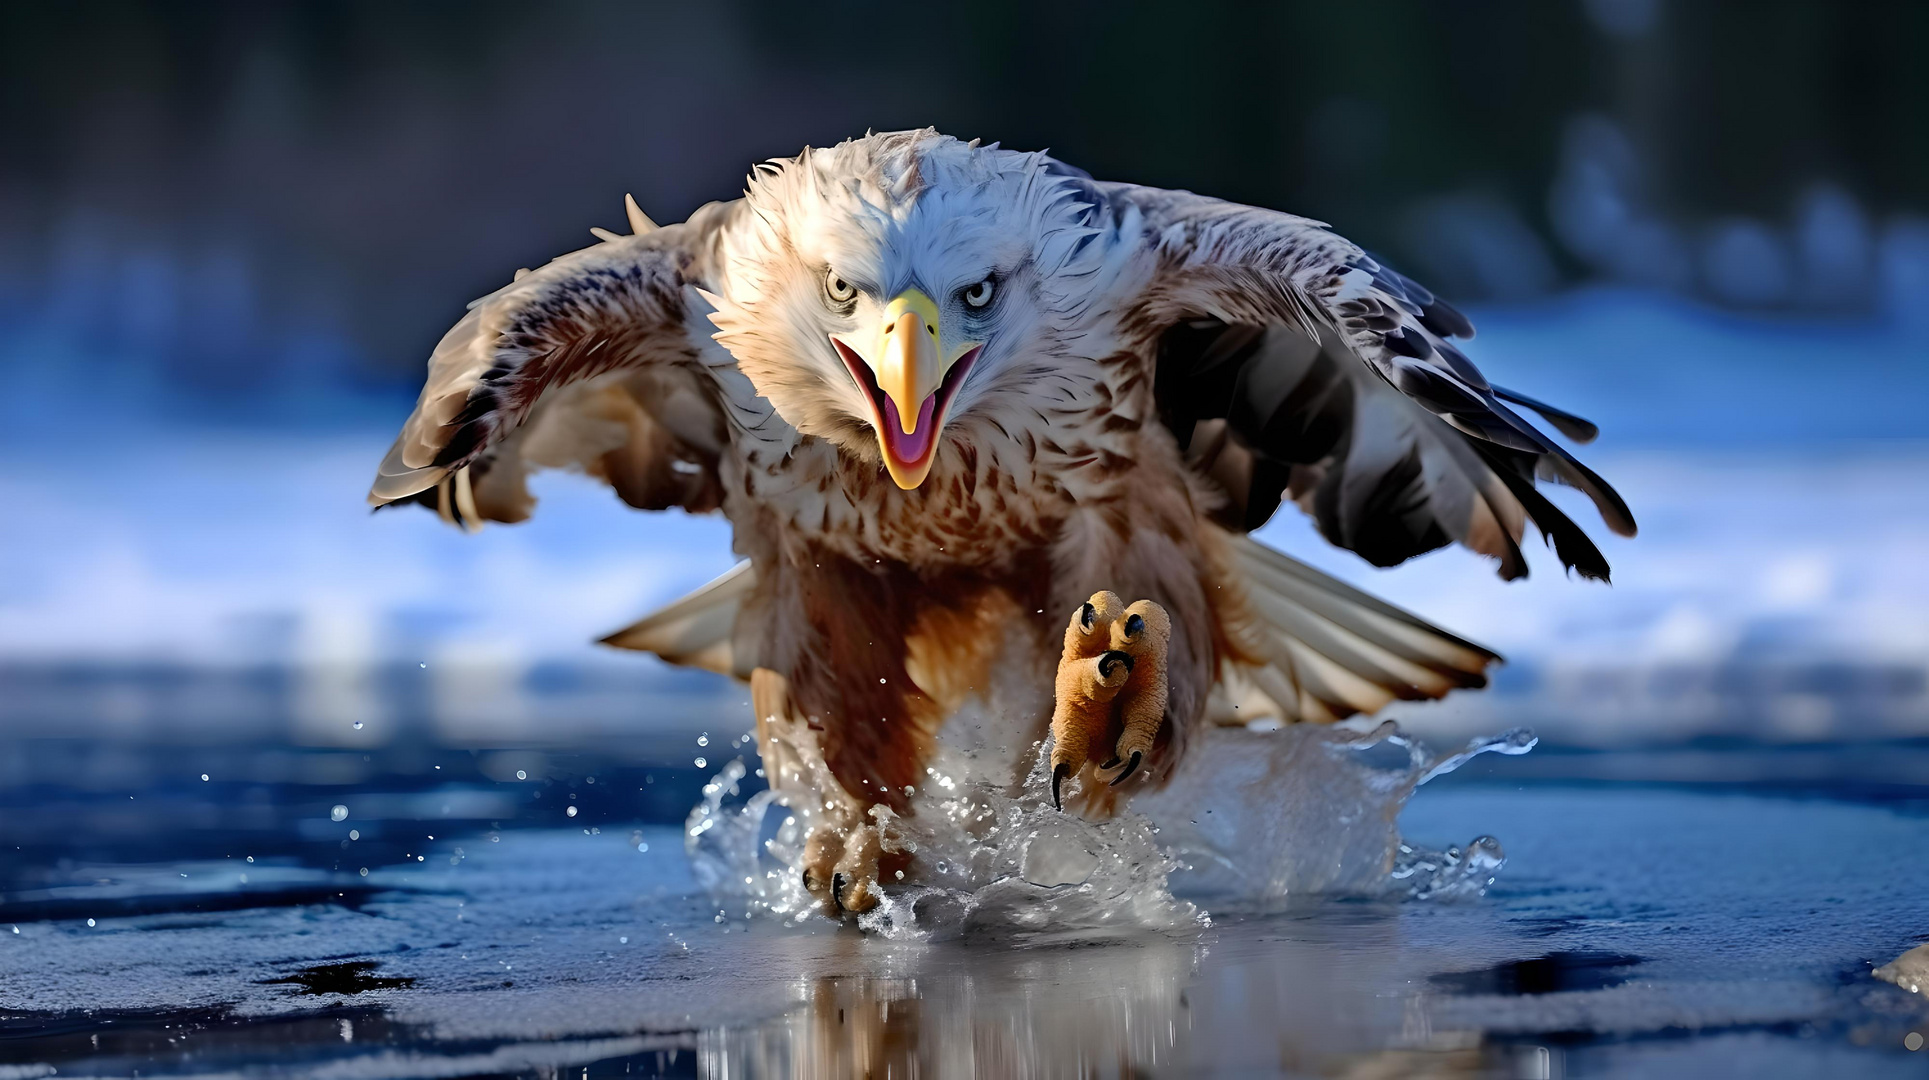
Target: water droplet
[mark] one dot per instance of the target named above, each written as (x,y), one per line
(622,941)
(204,778)
(353,834)
(90,922)
(571,812)
(642,847)
(338,813)
(364,871)
(358,725)
(424,664)
(521,775)
(703,740)
(701,763)
(251,858)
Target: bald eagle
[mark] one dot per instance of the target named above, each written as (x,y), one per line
(943,392)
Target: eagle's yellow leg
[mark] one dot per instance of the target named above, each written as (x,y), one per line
(841,866)
(840,863)
(1089,677)
(1111,688)
(1145,634)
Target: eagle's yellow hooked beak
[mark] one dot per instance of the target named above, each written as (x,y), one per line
(911,381)
(907,360)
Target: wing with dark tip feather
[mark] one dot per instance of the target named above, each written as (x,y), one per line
(1271,417)
(589,363)
(1295,366)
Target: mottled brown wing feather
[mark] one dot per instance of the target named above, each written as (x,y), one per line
(590,363)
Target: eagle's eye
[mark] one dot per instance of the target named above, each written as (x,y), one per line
(1085,616)
(978,295)
(837,290)
(1134,626)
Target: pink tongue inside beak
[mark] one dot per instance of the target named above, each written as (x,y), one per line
(909,449)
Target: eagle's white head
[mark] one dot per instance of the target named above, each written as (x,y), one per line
(900,289)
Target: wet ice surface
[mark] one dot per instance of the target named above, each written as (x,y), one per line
(1634,927)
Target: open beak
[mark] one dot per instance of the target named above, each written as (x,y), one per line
(908,377)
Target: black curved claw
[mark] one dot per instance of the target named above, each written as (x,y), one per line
(1112,764)
(837,890)
(1112,658)
(1130,768)
(1063,770)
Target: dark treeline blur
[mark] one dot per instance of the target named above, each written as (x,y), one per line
(251,194)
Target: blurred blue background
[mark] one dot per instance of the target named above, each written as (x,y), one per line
(230,233)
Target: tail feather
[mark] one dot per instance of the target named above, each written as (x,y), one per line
(697,630)
(1382,667)
(1256,693)
(1330,650)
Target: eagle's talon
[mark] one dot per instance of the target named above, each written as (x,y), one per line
(1111,687)
(1088,679)
(840,866)
(854,880)
(821,850)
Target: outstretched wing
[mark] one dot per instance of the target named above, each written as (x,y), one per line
(593,362)
(1293,365)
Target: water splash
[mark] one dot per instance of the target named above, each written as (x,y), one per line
(1257,816)
(1251,818)
(725,843)
(992,862)
(983,861)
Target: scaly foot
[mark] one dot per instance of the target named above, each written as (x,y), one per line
(822,849)
(841,866)
(1144,635)
(1111,691)
(841,854)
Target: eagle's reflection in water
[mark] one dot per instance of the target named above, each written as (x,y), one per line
(1282,999)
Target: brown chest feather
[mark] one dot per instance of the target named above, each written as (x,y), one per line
(891,654)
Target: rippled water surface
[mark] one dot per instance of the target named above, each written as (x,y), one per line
(1635,927)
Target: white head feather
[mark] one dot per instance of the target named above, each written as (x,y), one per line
(901,210)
